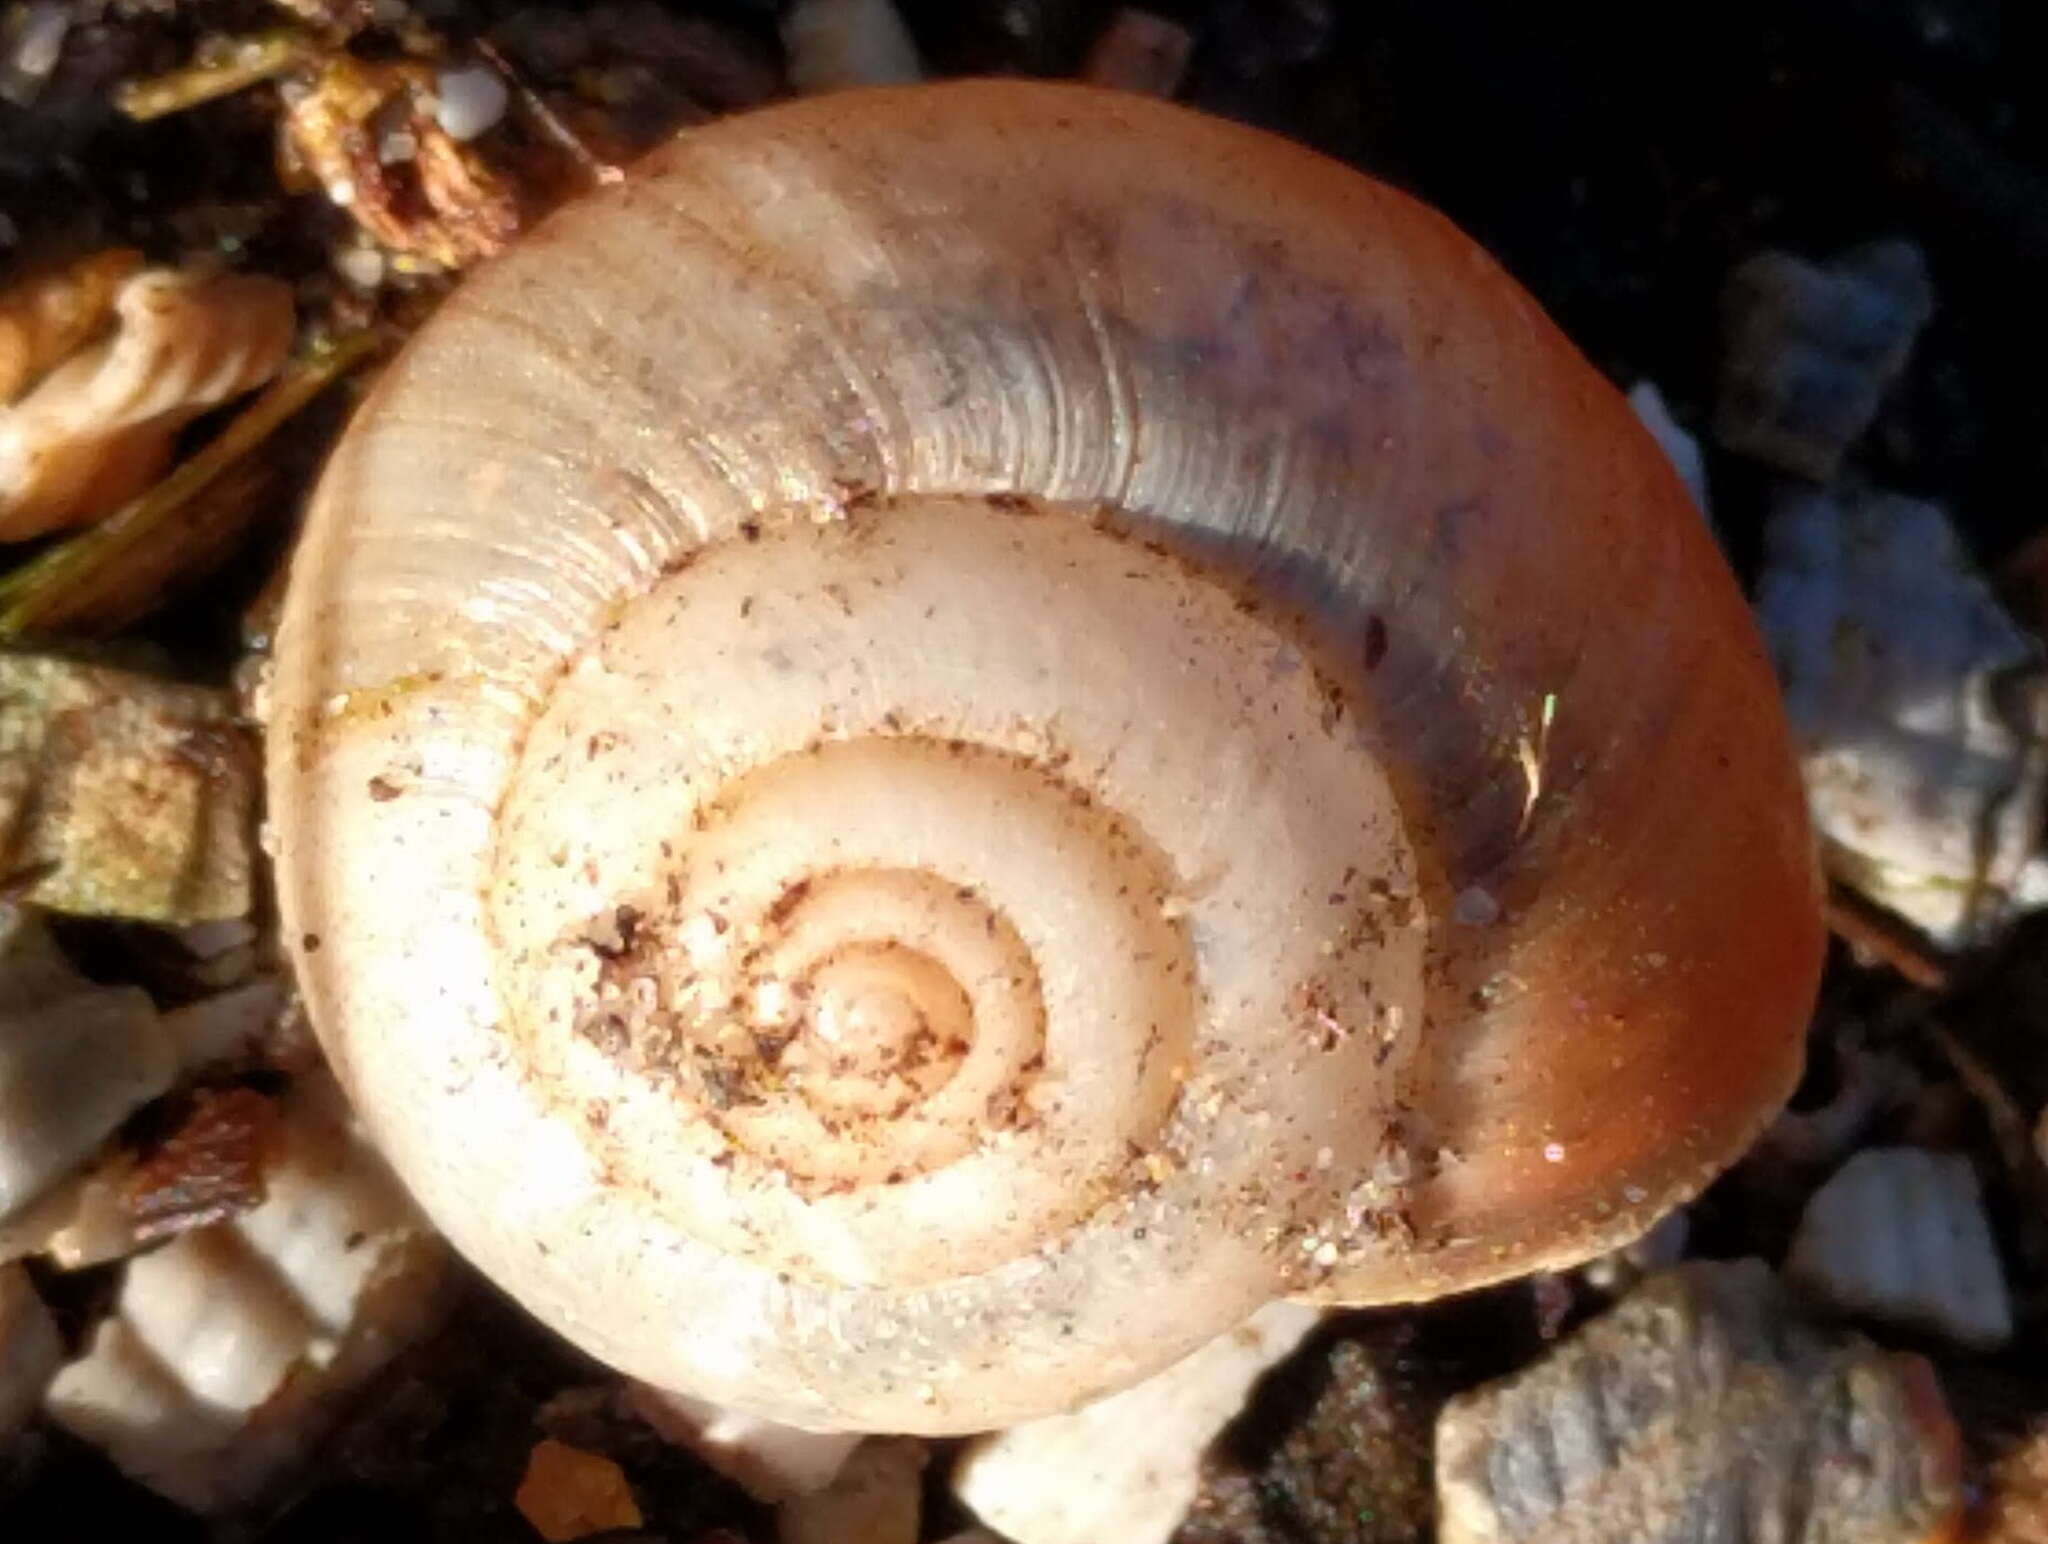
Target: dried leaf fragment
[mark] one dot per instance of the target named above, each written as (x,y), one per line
(370,136)
(209,1169)
(569,1494)
(99,427)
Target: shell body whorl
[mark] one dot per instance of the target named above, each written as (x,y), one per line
(956,705)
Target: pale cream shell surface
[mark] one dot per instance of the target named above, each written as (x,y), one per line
(965,731)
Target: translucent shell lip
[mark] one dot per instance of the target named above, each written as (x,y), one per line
(967,730)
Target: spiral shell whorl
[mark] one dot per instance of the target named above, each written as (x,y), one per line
(900,947)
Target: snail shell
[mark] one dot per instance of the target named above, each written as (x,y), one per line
(966,730)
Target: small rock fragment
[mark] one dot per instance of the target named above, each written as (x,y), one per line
(1125,1468)
(136,795)
(770,1461)
(1679,447)
(232,1347)
(29,1349)
(75,1059)
(876,1499)
(1920,707)
(1140,51)
(1702,1408)
(570,1494)
(1810,350)
(1353,1464)
(833,44)
(98,428)
(1899,1234)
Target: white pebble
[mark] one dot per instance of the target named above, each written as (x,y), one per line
(75,1059)
(39,38)
(1475,907)
(232,1347)
(832,44)
(1899,1234)
(1810,350)
(469,100)
(1126,1468)
(1918,704)
(363,267)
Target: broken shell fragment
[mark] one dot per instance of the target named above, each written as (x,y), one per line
(231,1347)
(75,1059)
(1126,1467)
(227,1028)
(130,797)
(1702,1408)
(100,426)
(1921,708)
(1900,1234)
(47,317)
(1810,350)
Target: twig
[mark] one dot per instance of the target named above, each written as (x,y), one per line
(1870,931)
(250,60)
(600,171)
